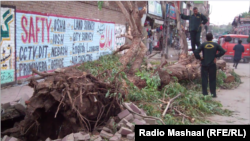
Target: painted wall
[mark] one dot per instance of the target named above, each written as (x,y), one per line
(7,43)
(47,42)
(119,30)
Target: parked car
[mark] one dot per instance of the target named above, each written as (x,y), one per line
(228,42)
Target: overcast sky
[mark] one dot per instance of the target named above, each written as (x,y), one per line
(224,12)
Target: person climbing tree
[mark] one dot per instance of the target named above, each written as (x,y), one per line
(195,23)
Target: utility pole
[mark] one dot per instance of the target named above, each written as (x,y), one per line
(166,36)
(164,44)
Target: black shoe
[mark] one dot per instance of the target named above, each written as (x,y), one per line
(214,96)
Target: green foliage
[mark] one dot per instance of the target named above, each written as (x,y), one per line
(248,39)
(220,78)
(221,30)
(245,15)
(100,4)
(152,82)
(192,103)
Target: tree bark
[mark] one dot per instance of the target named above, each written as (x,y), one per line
(137,49)
(183,38)
(139,58)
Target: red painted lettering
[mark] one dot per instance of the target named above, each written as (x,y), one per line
(48,28)
(42,19)
(24,19)
(31,31)
(37,29)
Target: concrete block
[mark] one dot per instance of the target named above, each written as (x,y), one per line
(139,122)
(125,131)
(137,117)
(135,108)
(114,138)
(69,137)
(106,135)
(107,129)
(118,135)
(150,121)
(143,112)
(98,139)
(129,117)
(94,137)
(123,114)
(128,106)
(81,136)
(131,136)
(131,126)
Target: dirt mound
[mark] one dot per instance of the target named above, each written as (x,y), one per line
(68,101)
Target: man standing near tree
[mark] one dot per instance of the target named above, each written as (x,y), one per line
(208,64)
(195,24)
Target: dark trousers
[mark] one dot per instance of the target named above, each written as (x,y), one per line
(150,47)
(236,63)
(208,72)
(195,39)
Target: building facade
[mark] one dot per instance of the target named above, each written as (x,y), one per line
(46,35)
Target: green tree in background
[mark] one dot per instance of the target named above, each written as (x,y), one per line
(245,15)
(248,39)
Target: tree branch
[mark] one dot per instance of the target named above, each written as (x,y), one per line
(127,36)
(124,47)
(129,6)
(141,12)
(125,12)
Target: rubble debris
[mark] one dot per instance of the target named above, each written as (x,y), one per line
(123,114)
(131,136)
(135,108)
(125,131)
(114,138)
(68,98)
(107,130)
(106,135)
(129,117)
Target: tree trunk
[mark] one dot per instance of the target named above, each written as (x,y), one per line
(139,58)
(183,38)
(137,49)
(229,78)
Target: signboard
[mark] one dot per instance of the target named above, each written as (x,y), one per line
(170,11)
(154,8)
(7,44)
(47,42)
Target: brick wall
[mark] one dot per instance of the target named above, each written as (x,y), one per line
(71,8)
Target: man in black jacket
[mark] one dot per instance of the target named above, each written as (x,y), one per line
(238,50)
(195,23)
(208,64)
